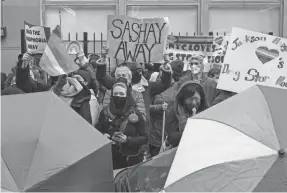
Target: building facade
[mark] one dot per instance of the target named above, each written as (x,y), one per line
(187,17)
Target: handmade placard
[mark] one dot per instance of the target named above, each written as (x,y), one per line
(140,40)
(36,37)
(183,47)
(253,58)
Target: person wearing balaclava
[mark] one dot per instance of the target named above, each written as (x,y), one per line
(125,126)
(190,100)
(123,72)
(137,81)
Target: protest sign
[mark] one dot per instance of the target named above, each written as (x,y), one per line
(140,40)
(253,58)
(183,47)
(36,37)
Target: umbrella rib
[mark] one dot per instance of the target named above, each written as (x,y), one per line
(10,174)
(36,145)
(271,117)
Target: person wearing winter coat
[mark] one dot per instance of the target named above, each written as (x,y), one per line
(72,90)
(137,82)
(121,122)
(190,100)
(25,79)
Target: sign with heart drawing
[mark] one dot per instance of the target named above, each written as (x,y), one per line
(253,58)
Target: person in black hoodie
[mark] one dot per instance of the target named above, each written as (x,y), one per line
(121,122)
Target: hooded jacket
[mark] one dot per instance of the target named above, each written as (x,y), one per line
(112,120)
(176,116)
(153,88)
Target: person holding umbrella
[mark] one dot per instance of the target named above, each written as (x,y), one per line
(121,122)
(190,100)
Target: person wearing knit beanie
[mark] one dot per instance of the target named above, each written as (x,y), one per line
(177,69)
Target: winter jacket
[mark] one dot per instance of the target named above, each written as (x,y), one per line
(25,83)
(176,117)
(136,132)
(153,88)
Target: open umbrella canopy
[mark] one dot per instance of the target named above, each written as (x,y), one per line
(47,146)
(237,145)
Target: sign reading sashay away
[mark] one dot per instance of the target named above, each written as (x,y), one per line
(182,48)
(36,37)
(141,40)
(253,58)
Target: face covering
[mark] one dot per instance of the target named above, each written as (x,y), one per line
(136,77)
(189,105)
(122,79)
(119,102)
(195,69)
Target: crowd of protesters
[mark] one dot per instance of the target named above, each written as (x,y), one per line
(127,106)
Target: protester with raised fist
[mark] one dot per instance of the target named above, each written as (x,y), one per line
(25,79)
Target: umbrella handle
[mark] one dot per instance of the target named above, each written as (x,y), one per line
(163,126)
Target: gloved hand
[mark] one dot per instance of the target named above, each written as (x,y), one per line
(26,61)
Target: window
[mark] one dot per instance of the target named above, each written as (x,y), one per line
(257,18)
(76,19)
(178,15)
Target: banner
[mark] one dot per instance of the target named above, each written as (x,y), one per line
(183,47)
(56,59)
(140,40)
(36,37)
(253,58)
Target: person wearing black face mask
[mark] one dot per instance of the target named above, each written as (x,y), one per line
(136,82)
(124,125)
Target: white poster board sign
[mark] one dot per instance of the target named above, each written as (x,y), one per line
(253,58)
(36,37)
(140,40)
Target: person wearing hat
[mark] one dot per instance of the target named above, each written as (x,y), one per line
(121,122)
(160,103)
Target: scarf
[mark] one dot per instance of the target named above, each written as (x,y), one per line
(69,90)
(140,86)
(127,107)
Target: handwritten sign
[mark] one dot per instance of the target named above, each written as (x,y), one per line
(254,58)
(36,37)
(183,47)
(140,40)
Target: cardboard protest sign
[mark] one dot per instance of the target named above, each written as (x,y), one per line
(253,58)
(183,47)
(36,37)
(140,40)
